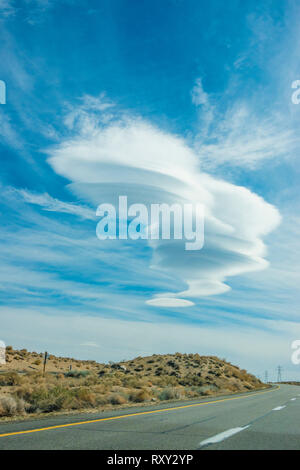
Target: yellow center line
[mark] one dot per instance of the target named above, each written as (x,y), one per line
(134,414)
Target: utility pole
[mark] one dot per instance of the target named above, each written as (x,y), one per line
(45,361)
(266,377)
(279,377)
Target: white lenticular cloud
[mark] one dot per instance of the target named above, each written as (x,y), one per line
(134,158)
(169,302)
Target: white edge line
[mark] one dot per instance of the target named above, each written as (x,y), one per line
(222,436)
(279,408)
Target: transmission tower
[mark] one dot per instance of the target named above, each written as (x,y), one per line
(279,377)
(266,377)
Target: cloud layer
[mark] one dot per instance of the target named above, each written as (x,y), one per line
(124,156)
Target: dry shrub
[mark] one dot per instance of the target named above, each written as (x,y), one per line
(132,382)
(169,393)
(25,392)
(116,399)
(35,377)
(207,393)
(10,406)
(100,388)
(139,396)
(10,379)
(102,399)
(55,399)
(77,373)
(91,380)
(86,397)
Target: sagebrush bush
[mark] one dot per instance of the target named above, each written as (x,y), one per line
(77,373)
(10,378)
(91,380)
(116,399)
(169,394)
(139,396)
(10,406)
(86,397)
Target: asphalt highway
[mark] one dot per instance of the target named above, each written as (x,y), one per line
(259,420)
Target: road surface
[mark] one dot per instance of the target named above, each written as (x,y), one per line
(259,420)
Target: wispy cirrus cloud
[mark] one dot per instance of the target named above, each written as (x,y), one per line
(88,114)
(203,102)
(239,134)
(52,204)
(7,8)
(243,139)
(46,256)
(9,134)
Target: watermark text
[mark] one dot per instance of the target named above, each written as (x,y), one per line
(162,222)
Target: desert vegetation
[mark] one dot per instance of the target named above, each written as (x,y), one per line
(69,384)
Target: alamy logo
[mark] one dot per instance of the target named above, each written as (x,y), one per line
(163,222)
(2,352)
(2,92)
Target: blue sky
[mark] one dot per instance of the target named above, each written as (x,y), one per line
(158,99)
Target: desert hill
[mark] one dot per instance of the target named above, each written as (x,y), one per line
(70,384)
